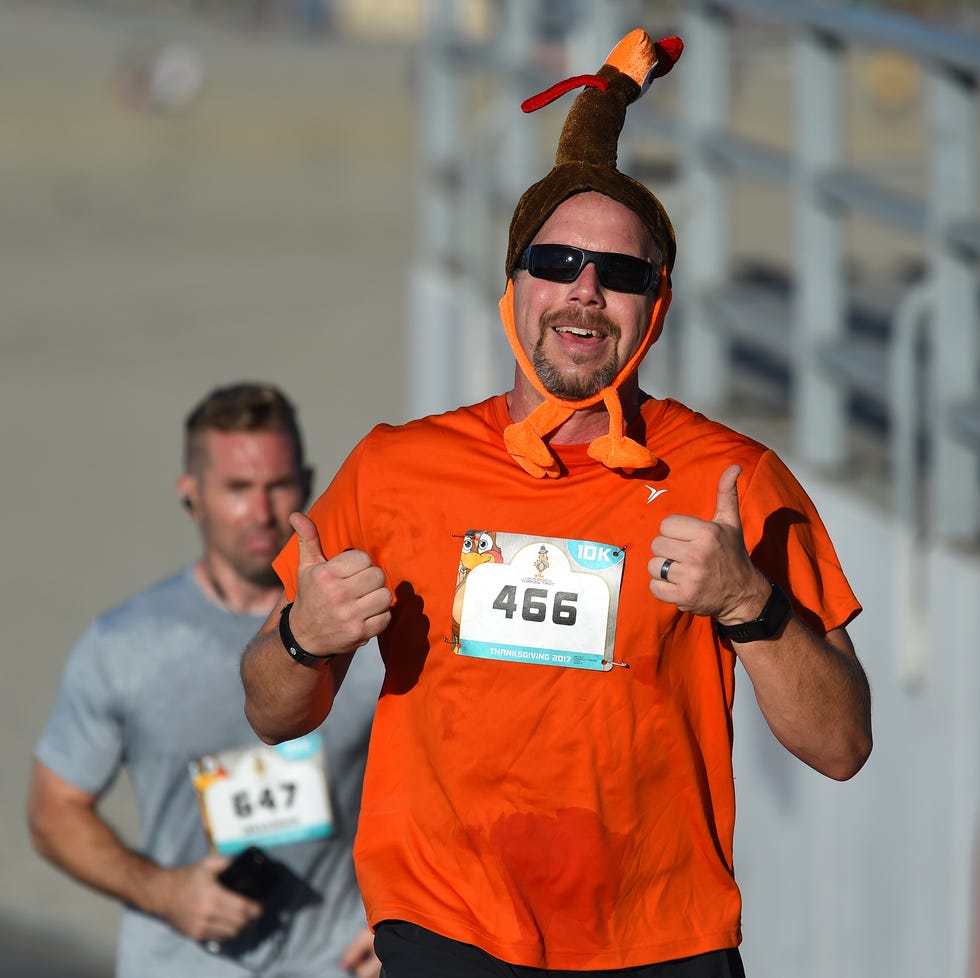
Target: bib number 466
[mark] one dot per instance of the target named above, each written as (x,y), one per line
(534,604)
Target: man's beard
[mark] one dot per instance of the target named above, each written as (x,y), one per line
(254,568)
(262,576)
(577,387)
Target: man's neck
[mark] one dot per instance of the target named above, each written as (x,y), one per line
(586,424)
(226,588)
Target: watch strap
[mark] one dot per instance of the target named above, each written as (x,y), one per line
(294,649)
(771,619)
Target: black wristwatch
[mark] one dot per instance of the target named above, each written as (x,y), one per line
(769,622)
(290,644)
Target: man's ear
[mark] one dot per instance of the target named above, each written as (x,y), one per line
(187,492)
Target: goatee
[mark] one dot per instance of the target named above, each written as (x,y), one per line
(576,387)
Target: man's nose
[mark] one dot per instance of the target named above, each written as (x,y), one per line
(587,287)
(262,506)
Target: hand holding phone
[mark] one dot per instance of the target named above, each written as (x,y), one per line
(251,873)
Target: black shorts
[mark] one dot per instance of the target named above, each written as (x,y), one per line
(409,951)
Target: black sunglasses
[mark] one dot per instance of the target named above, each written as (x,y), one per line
(563,263)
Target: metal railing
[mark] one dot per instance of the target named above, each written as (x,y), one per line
(920,369)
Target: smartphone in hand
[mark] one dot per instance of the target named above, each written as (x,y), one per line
(251,873)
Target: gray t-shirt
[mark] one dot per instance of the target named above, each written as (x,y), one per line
(153,685)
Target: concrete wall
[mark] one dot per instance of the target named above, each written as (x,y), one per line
(872,877)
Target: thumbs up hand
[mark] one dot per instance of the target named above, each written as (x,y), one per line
(726,509)
(708,570)
(340,603)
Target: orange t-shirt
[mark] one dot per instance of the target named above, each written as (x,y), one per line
(555,817)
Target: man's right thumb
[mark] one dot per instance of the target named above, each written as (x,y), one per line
(310,551)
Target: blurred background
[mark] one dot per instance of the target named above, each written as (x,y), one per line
(317,192)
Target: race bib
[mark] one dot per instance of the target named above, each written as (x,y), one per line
(542,600)
(264,796)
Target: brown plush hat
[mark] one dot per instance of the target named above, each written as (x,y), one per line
(588,147)
(586,161)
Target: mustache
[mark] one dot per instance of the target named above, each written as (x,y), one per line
(582,318)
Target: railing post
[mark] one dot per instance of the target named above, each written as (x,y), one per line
(595,30)
(516,38)
(912,532)
(819,299)
(431,348)
(704,242)
(951,106)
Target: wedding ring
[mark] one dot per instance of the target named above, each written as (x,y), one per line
(664,568)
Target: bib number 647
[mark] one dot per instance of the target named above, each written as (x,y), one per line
(534,604)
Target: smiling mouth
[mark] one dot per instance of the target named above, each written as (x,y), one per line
(581,331)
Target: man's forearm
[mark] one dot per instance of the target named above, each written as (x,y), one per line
(68,831)
(80,843)
(814,695)
(284,699)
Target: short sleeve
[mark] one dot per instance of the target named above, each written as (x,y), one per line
(788,541)
(82,741)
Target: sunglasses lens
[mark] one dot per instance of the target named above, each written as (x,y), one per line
(624,273)
(556,263)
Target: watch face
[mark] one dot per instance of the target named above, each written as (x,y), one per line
(304,658)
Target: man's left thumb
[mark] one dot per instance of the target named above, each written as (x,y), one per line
(726,510)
